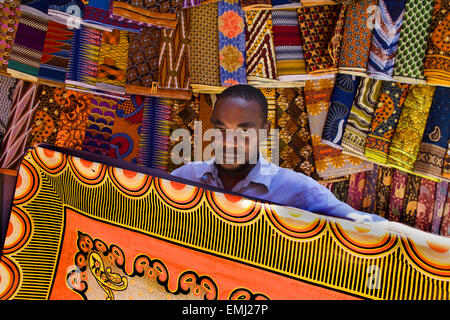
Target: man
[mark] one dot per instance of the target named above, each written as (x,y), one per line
(243,108)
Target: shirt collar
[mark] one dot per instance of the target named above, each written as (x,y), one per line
(261,173)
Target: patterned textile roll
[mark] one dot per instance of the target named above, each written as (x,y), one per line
(445,223)
(191,3)
(231,26)
(410,58)
(409,210)
(25,101)
(385,38)
(383,193)
(26,52)
(317,25)
(425,206)
(370,190)
(98,13)
(340,190)
(357,37)
(7,85)
(296,151)
(268,146)
(84,57)
(99,124)
(9,21)
(204,59)
(160,13)
(73,120)
(430,159)
(361,114)
(446,167)
(143,56)
(66,11)
(256,4)
(356,190)
(259,46)
(46,117)
(335,45)
(385,121)
(154,140)
(411,126)
(399,180)
(330,163)
(340,104)
(441,195)
(285,4)
(55,55)
(113,61)
(438,53)
(124,143)
(174,55)
(288,45)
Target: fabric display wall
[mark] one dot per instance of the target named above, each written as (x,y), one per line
(358,91)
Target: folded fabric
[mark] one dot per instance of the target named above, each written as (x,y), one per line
(7,85)
(438,52)
(143,56)
(340,190)
(256,4)
(73,120)
(9,21)
(411,126)
(357,36)
(355,192)
(385,39)
(84,57)
(191,3)
(174,56)
(267,147)
(160,13)
(204,59)
(383,191)
(385,121)
(26,52)
(330,163)
(409,210)
(285,4)
(25,101)
(446,167)
(445,223)
(335,44)
(317,25)
(259,46)
(439,206)
(113,61)
(63,9)
(55,55)
(288,45)
(398,189)
(370,190)
(340,104)
(124,143)
(154,139)
(46,116)
(98,13)
(99,125)
(35,7)
(415,33)
(231,27)
(361,115)
(425,205)
(296,151)
(430,159)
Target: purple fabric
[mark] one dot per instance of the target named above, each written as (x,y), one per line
(30,37)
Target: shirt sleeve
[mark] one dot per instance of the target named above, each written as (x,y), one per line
(318,199)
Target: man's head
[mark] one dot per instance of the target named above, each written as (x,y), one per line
(241,108)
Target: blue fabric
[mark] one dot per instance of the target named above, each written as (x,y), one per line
(286,187)
(437,130)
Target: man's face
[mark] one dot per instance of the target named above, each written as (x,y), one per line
(241,117)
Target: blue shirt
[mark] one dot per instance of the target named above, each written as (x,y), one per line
(272,183)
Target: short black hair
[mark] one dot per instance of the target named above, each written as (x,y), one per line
(246,92)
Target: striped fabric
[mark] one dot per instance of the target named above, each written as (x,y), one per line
(361,114)
(191,3)
(83,58)
(385,39)
(288,45)
(25,102)
(55,57)
(260,51)
(154,139)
